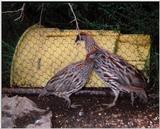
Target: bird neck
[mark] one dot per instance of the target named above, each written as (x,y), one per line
(88,56)
(88,59)
(90,44)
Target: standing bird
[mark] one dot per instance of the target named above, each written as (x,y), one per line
(70,79)
(114,71)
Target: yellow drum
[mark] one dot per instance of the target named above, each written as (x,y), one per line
(41,52)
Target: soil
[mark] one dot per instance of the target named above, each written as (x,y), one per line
(92,114)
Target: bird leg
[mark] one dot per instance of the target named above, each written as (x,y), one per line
(69,105)
(116,94)
(132,98)
(68,101)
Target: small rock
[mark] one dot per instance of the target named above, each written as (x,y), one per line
(43,122)
(81,113)
(7,122)
(99,114)
(78,119)
(17,107)
(156,118)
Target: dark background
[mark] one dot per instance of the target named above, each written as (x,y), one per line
(130,18)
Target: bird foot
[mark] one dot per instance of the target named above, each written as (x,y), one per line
(109,105)
(75,106)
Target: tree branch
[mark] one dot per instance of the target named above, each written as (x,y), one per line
(21,10)
(75,19)
(40,19)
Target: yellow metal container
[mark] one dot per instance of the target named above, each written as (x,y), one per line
(41,52)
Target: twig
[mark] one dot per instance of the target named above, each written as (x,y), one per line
(18,10)
(40,19)
(75,19)
(22,13)
(15,11)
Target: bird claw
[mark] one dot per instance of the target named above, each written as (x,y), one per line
(75,105)
(109,105)
(69,105)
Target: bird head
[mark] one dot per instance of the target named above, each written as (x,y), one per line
(82,37)
(90,43)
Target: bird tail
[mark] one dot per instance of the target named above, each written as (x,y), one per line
(142,95)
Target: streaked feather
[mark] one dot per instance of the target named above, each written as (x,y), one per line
(69,80)
(115,71)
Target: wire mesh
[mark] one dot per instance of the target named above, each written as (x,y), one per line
(41,52)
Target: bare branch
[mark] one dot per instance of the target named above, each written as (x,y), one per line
(75,19)
(40,19)
(15,11)
(21,10)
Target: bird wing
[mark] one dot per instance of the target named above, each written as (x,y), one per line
(67,80)
(129,74)
(113,69)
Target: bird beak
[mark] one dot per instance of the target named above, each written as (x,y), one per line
(77,40)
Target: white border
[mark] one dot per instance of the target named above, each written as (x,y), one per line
(65,2)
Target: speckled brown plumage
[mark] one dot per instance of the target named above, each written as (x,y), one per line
(115,71)
(70,79)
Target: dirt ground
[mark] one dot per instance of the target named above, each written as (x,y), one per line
(92,114)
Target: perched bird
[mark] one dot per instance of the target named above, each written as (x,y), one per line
(70,79)
(115,71)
